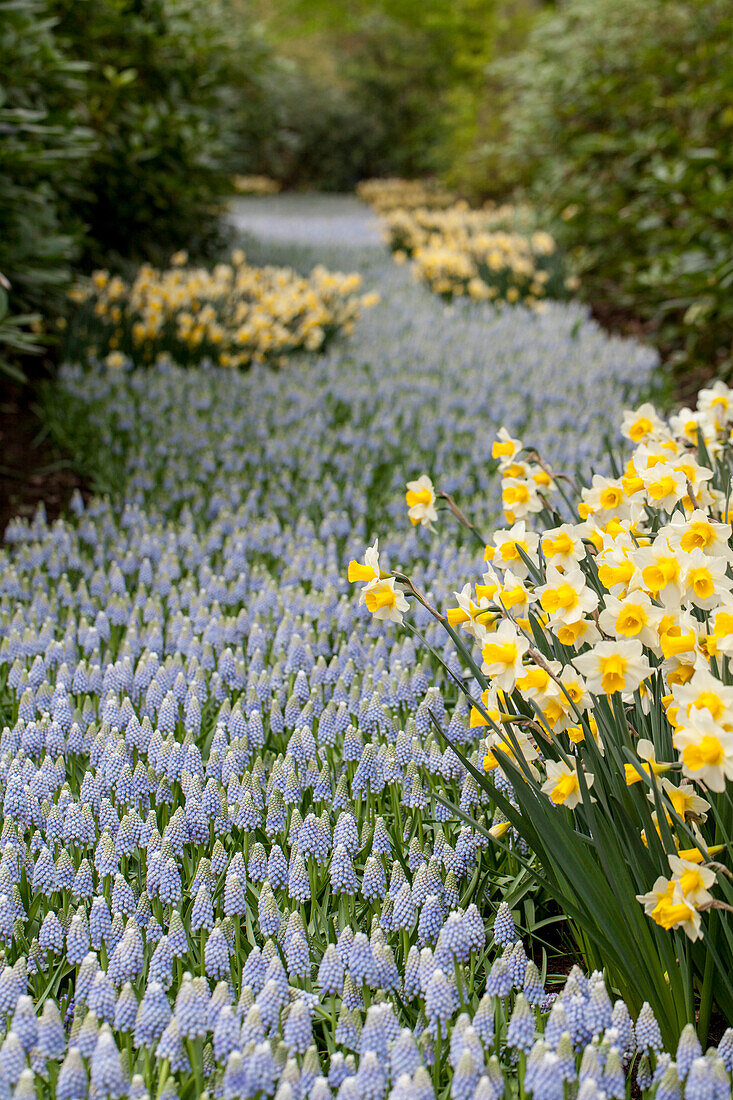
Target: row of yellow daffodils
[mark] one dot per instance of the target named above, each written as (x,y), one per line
(488,254)
(407,229)
(256,185)
(234,315)
(402,194)
(627,611)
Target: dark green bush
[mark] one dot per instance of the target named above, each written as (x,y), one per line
(157,99)
(620,123)
(42,152)
(305,133)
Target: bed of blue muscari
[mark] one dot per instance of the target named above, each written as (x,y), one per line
(223,864)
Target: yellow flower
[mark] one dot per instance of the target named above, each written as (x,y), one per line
(641,424)
(693,879)
(505,448)
(502,656)
(563,546)
(706,750)
(634,773)
(613,666)
(576,633)
(566,597)
(634,616)
(684,801)
(505,552)
(420,500)
(577,733)
(518,748)
(605,497)
(705,692)
(562,785)
(384,601)
(369,571)
(490,706)
(660,571)
(723,629)
(705,580)
(473,616)
(519,498)
(667,906)
(694,855)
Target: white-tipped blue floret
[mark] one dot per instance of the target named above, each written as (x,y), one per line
(648,1035)
(688,1049)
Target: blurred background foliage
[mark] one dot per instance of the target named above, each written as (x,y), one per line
(618,124)
(43,151)
(123,123)
(411,80)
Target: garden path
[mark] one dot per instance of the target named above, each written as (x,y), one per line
(307,219)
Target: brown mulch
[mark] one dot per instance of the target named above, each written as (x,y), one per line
(32,469)
(622,322)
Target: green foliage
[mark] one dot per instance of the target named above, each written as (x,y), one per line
(406,81)
(620,123)
(16,335)
(396,76)
(480,110)
(118,120)
(157,97)
(303,132)
(41,153)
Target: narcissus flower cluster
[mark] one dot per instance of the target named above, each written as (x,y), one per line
(233,315)
(402,194)
(256,185)
(494,254)
(605,646)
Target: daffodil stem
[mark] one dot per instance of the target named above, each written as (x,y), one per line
(555,477)
(461,517)
(706,996)
(404,579)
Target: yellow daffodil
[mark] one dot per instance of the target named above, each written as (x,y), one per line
(566,597)
(505,553)
(613,666)
(706,750)
(420,499)
(562,785)
(667,906)
(384,601)
(369,571)
(634,616)
(502,655)
(634,773)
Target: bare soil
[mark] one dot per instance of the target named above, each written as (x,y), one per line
(32,469)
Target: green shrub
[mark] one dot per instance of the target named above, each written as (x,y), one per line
(620,123)
(305,132)
(380,88)
(118,120)
(159,99)
(376,116)
(42,152)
